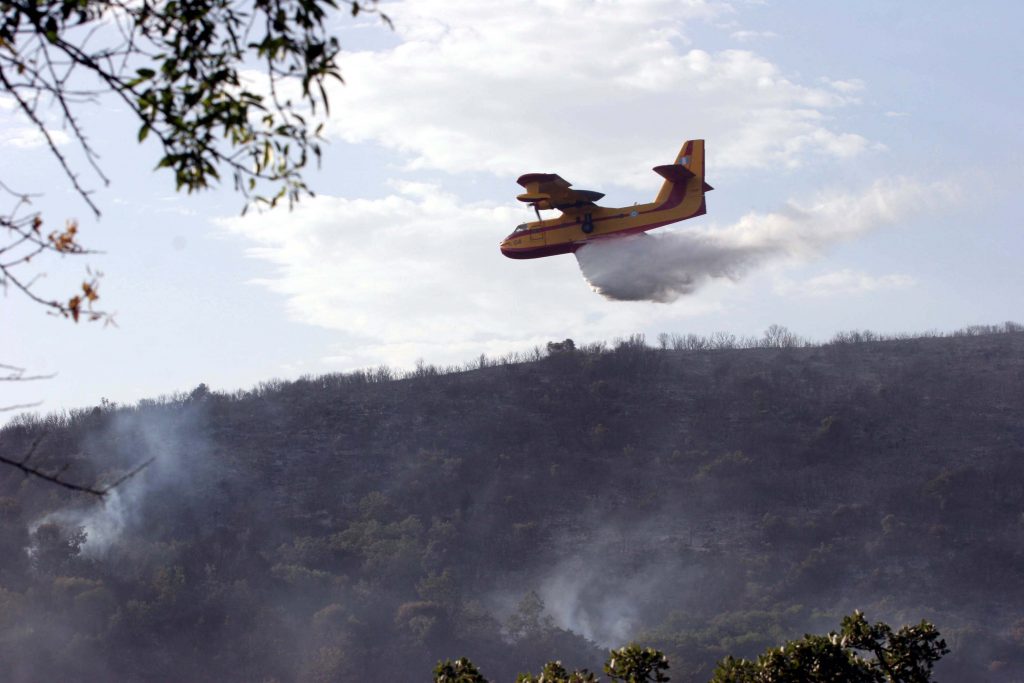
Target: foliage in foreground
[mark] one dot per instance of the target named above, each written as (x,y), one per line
(629,664)
(859,653)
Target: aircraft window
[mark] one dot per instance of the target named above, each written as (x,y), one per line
(520,228)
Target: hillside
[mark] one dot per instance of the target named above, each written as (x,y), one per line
(360,527)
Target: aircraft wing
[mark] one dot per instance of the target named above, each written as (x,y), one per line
(551,191)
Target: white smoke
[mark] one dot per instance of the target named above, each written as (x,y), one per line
(609,615)
(105,527)
(171,441)
(664,266)
(103,524)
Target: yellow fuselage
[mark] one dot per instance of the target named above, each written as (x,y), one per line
(576,226)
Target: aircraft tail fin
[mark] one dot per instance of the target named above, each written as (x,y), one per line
(689,164)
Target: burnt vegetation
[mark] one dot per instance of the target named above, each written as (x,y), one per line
(704,496)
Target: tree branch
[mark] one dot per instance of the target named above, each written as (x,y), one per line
(54,478)
(28,111)
(16,374)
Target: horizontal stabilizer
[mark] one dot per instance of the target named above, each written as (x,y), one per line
(674,173)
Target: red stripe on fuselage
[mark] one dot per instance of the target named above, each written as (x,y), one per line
(538,252)
(570,247)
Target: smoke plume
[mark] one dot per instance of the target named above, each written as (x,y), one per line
(177,449)
(663,267)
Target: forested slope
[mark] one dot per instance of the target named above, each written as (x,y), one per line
(360,527)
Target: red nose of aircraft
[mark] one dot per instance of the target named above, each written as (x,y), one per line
(506,246)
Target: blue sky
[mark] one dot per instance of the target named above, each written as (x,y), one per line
(875,145)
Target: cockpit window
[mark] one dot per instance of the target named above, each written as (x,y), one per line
(520,228)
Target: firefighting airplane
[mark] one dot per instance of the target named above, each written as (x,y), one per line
(583,221)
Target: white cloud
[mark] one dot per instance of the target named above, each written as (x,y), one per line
(844,282)
(847,86)
(17,132)
(748,36)
(598,92)
(418,273)
(29,137)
